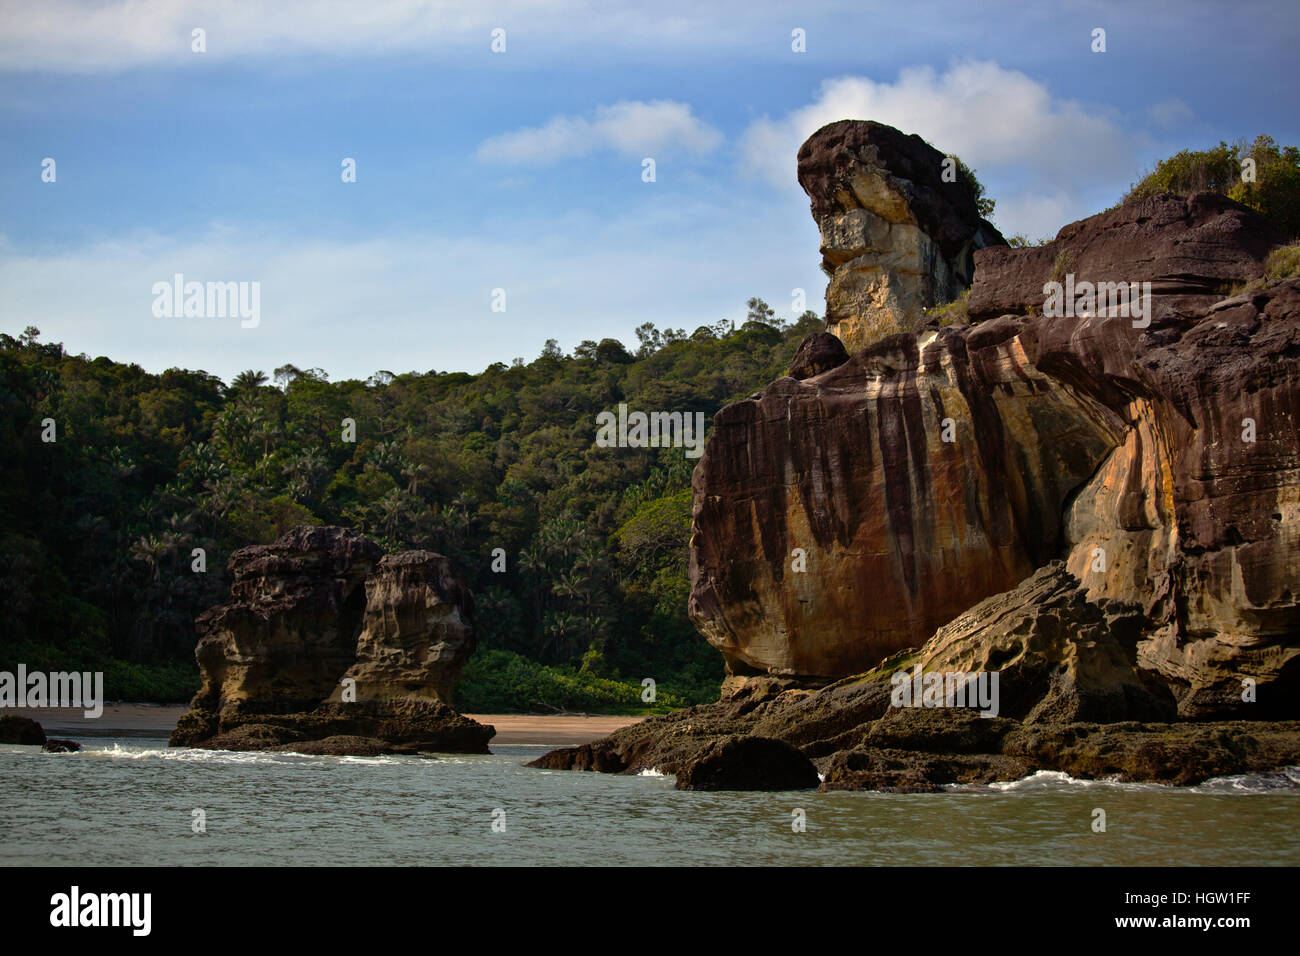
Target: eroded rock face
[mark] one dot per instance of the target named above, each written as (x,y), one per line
(936,469)
(1060,658)
(1197,513)
(853,508)
(921,476)
(318,607)
(895,237)
(1191,250)
(1122,451)
(1113,528)
(290,628)
(417,631)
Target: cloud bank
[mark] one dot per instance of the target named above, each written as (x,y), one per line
(632,128)
(1009,127)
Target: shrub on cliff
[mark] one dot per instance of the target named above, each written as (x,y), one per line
(1274,191)
(1283,262)
(496,681)
(952,313)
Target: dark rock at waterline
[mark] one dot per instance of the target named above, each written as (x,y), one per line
(748,763)
(54,745)
(20,730)
(402,726)
(341,745)
(852,734)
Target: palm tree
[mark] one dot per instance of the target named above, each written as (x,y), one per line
(151,550)
(413,471)
(248,380)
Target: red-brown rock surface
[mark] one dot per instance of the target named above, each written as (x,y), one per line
(900,529)
(1191,249)
(844,515)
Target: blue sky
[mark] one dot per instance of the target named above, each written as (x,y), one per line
(522,170)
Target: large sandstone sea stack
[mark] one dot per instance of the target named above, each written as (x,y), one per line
(330,646)
(1103,507)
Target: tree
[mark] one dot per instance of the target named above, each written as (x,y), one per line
(761,312)
(612,352)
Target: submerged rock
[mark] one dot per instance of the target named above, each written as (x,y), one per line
(55,745)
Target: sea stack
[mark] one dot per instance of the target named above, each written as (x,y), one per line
(326,639)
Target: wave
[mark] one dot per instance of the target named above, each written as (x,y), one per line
(1281,780)
(1287,778)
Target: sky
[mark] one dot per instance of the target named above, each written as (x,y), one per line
(522,169)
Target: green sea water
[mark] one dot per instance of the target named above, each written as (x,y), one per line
(129,802)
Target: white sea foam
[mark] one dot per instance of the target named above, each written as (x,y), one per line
(185,755)
(1042,780)
(1285,779)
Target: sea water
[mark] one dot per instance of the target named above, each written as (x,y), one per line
(133,801)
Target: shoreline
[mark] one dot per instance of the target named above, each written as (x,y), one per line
(151,721)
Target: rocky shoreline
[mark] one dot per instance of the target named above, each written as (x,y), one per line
(849,736)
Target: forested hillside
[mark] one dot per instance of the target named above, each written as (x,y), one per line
(99,525)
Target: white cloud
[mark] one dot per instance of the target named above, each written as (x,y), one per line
(1170,113)
(94,35)
(1001,122)
(632,128)
(89,36)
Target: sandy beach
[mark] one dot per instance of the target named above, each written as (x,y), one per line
(158,720)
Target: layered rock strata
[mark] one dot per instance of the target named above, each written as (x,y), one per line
(326,637)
